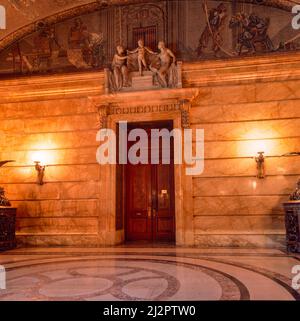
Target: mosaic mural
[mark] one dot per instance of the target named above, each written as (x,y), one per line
(86,38)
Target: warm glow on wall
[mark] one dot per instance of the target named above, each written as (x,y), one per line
(258,144)
(43,153)
(259,140)
(42,156)
(40,159)
(250,148)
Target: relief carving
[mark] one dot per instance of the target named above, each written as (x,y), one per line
(182,106)
(83,37)
(185,113)
(103,112)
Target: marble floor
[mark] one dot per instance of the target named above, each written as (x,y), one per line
(145,273)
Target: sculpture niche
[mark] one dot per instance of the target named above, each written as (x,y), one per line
(143,69)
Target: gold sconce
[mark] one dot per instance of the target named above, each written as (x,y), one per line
(40,172)
(260,165)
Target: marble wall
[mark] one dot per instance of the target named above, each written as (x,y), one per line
(243,105)
(232,206)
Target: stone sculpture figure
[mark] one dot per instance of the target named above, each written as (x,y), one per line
(165,70)
(141,50)
(120,69)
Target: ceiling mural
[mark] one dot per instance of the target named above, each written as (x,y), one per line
(79,35)
(25,7)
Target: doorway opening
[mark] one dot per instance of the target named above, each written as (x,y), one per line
(145,197)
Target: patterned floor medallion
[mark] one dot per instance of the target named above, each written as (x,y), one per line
(145,274)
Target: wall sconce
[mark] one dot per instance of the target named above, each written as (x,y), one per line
(260,162)
(260,165)
(40,172)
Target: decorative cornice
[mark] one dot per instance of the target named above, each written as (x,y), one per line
(51,87)
(283,67)
(273,67)
(182,106)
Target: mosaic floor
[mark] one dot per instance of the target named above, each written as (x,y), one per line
(128,273)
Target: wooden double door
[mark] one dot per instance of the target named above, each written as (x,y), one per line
(149,194)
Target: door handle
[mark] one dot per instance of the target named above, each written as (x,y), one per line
(149,211)
(154,213)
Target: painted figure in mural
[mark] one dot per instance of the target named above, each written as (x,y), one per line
(166,67)
(141,50)
(254,30)
(85,48)
(45,45)
(215,22)
(76,34)
(93,47)
(120,69)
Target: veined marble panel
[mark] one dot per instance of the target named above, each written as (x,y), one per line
(241,240)
(239,186)
(57,208)
(62,173)
(245,112)
(249,148)
(25,142)
(45,108)
(239,224)
(265,129)
(57,225)
(275,166)
(55,156)
(241,205)
(73,190)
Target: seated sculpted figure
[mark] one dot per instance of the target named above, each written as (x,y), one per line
(166,67)
(120,70)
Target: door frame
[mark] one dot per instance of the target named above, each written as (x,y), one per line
(184,226)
